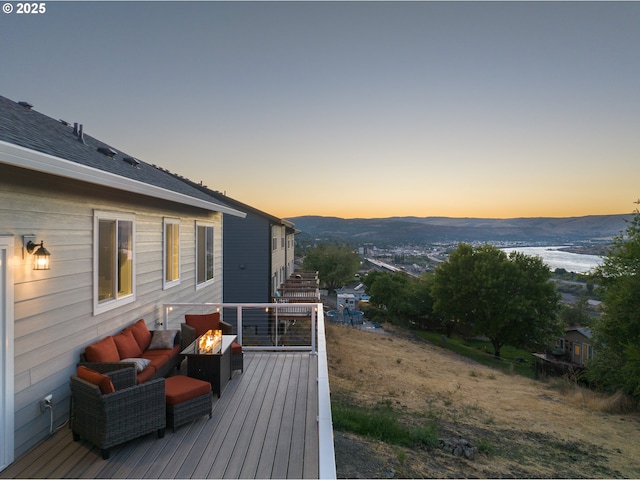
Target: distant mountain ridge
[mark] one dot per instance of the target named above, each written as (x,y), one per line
(420,230)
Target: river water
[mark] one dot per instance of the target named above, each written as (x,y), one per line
(555,258)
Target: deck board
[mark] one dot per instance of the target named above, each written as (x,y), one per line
(241,422)
(247,433)
(259,437)
(285,433)
(267,455)
(311,454)
(261,427)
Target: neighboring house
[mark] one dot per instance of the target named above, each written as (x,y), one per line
(569,354)
(576,345)
(352,295)
(124,237)
(259,253)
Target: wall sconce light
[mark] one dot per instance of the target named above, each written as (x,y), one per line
(40,254)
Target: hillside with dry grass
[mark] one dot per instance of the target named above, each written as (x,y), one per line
(522,428)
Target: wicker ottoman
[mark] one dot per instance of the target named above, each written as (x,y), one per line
(187,399)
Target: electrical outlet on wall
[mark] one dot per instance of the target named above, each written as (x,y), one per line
(46,403)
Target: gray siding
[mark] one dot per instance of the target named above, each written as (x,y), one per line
(279,256)
(54,318)
(247,243)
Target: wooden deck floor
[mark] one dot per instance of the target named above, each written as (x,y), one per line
(263,426)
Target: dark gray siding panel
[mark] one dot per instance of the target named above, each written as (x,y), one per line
(246,266)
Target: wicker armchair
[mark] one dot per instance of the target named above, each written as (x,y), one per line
(106,420)
(188,333)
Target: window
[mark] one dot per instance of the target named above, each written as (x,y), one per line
(204,254)
(114,260)
(171,259)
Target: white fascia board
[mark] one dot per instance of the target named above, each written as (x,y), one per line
(22,157)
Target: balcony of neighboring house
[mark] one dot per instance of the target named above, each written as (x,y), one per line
(569,355)
(272,420)
(299,288)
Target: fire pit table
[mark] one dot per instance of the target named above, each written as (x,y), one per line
(212,364)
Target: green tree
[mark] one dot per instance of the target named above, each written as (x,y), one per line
(575,314)
(335,264)
(616,333)
(508,299)
(400,297)
(422,301)
(388,292)
(454,288)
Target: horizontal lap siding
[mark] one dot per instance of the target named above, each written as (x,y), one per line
(278,256)
(54,318)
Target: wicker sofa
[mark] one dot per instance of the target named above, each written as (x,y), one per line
(152,353)
(127,410)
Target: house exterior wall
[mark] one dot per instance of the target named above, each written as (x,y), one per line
(246,259)
(278,257)
(577,347)
(290,254)
(53,315)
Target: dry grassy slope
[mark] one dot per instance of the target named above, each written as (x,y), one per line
(534,429)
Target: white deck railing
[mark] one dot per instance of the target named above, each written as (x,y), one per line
(274,314)
(259,326)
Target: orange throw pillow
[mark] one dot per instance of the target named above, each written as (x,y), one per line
(203,323)
(127,345)
(104,350)
(102,381)
(141,333)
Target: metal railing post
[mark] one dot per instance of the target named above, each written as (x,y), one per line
(314,349)
(239,323)
(277,342)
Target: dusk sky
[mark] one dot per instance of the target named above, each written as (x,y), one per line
(363,109)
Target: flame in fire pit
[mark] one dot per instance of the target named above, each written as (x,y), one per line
(210,341)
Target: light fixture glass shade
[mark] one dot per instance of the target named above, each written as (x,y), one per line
(41,255)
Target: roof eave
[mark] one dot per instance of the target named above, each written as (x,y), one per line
(22,157)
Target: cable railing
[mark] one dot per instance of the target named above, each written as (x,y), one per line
(259,326)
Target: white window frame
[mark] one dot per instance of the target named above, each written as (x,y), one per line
(105,306)
(207,281)
(7,351)
(165,246)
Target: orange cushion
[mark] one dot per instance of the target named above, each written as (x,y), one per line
(179,389)
(127,345)
(203,323)
(104,350)
(146,374)
(141,333)
(151,354)
(97,378)
(236,347)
